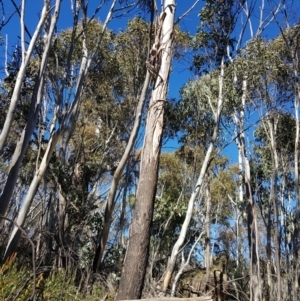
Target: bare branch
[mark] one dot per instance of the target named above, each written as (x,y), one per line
(4,21)
(6,50)
(184,264)
(261,28)
(23,30)
(248,13)
(18,12)
(187,12)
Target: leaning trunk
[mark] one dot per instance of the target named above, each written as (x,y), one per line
(15,235)
(110,204)
(65,129)
(189,212)
(132,280)
(22,144)
(21,74)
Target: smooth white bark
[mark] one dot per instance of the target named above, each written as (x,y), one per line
(32,119)
(255,283)
(198,186)
(67,125)
(15,235)
(20,77)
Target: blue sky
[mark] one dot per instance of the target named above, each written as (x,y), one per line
(190,22)
(34,7)
(180,72)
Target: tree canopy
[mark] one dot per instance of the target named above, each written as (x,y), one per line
(112,187)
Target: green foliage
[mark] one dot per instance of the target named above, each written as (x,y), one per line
(170,175)
(131,200)
(222,187)
(214,35)
(198,105)
(170,206)
(285,131)
(60,286)
(196,118)
(107,107)
(170,191)
(15,280)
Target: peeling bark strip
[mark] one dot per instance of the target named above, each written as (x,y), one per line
(132,280)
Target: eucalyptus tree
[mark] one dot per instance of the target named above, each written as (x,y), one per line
(173,187)
(177,174)
(262,79)
(158,65)
(245,171)
(275,98)
(133,47)
(274,187)
(286,53)
(213,39)
(270,88)
(35,101)
(26,56)
(289,54)
(65,111)
(245,81)
(83,161)
(93,153)
(133,44)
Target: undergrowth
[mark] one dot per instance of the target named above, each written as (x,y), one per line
(16,284)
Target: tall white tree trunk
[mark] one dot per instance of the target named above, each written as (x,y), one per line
(26,55)
(67,125)
(255,284)
(188,216)
(15,235)
(273,199)
(290,37)
(37,96)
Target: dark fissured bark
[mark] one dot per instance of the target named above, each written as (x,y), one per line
(133,274)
